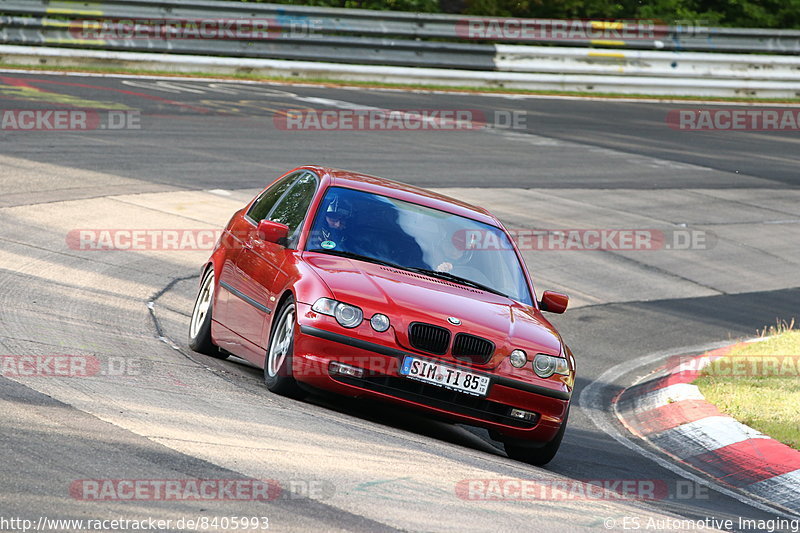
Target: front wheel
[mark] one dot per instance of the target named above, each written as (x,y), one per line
(200,322)
(537,456)
(278,362)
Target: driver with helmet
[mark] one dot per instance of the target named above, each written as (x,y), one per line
(331,230)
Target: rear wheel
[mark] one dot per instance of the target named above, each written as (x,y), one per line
(278,362)
(537,456)
(200,322)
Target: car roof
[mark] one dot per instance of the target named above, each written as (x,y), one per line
(403,191)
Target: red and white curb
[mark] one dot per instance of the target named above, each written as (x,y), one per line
(672,414)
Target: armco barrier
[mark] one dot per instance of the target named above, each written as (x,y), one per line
(415,26)
(43,56)
(439,49)
(513,58)
(313,47)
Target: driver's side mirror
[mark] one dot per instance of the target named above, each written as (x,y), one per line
(554,302)
(270,231)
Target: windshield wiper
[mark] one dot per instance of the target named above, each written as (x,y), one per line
(457,279)
(353,255)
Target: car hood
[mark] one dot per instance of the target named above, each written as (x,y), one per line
(408,297)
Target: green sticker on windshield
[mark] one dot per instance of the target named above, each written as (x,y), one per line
(328,245)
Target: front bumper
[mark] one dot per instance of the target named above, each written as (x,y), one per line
(315,348)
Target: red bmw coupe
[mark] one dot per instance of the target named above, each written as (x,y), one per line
(375,289)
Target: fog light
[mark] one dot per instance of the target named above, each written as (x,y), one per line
(345,370)
(518,358)
(522,415)
(379,322)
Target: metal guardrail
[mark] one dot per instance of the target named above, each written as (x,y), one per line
(47,31)
(665,65)
(599,83)
(591,55)
(397,30)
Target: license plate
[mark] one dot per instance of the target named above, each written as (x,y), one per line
(444,376)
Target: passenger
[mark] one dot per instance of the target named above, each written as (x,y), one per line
(455,251)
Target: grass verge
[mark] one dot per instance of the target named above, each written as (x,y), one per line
(758,384)
(380,85)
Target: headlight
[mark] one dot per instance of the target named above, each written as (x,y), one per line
(547,365)
(379,322)
(348,316)
(518,358)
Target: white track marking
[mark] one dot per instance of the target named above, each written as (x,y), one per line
(341,104)
(667,395)
(153,86)
(710,433)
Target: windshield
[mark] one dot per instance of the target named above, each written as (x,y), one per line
(372,227)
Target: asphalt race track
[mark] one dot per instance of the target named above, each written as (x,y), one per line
(199,150)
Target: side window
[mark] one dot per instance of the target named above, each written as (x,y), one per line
(264,204)
(291,209)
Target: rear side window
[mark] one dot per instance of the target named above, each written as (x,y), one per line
(264,204)
(291,209)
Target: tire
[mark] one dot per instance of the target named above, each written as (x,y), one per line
(278,360)
(537,456)
(200,321)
